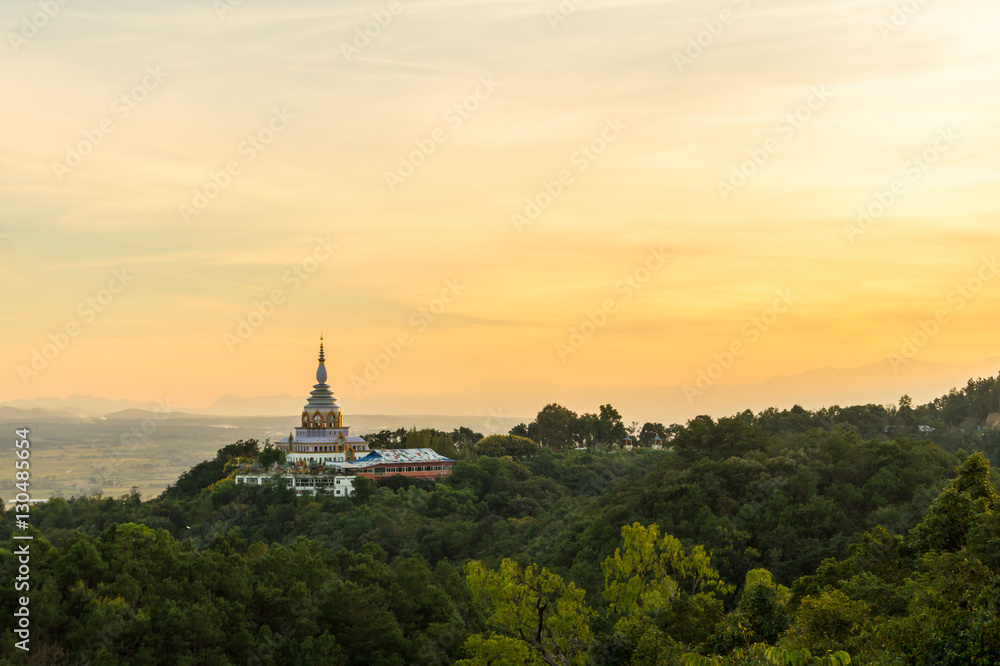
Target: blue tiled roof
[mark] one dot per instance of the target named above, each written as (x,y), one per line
(403,456)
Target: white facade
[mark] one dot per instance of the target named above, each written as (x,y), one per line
(322,437)
(339,485)
(323,445)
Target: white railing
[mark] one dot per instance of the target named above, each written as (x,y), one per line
(318,432)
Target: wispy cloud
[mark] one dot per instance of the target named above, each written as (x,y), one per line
(654,186)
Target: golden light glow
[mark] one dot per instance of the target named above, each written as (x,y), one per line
(261,182)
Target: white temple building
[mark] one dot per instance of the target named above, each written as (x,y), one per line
(322,437)
(322,456)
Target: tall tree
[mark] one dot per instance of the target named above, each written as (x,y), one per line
(533,606)
(650,571)
(650,431)
(610,429)
(556,425)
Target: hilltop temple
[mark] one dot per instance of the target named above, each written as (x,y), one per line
(322,456)
(322,437)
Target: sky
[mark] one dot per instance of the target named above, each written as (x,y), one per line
(584,193)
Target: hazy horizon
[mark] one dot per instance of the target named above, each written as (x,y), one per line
(496,402)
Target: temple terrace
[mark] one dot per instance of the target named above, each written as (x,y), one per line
(323,456)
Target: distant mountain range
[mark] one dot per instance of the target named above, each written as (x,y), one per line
(35,414)
(75,406)
(491,404)
(877,383)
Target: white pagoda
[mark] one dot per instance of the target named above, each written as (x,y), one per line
(322,437)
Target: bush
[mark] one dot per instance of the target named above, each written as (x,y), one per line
(498,446)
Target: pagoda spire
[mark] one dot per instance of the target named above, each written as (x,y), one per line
(321,370)
(321,398)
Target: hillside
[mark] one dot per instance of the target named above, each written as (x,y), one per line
(840,530)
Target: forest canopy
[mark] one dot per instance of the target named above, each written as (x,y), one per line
(842,535)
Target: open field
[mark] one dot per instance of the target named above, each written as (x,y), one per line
(112,456)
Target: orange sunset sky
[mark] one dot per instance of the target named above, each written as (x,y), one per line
(475,177)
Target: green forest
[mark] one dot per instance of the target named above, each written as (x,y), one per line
(848,535)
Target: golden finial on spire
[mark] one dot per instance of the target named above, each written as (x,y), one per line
(322,358)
